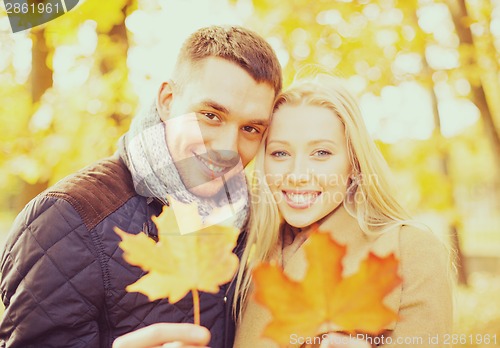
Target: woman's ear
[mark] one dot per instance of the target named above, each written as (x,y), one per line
(164,100)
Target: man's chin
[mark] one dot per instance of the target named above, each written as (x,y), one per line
(221,194)
(209,189)
(213,188)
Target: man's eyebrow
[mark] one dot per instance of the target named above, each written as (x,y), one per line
(214,105)
(258,122)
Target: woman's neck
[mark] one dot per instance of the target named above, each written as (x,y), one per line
(294,231)
(338,221)
(337,214)
(338,218)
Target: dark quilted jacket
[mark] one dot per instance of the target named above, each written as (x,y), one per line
(63,277)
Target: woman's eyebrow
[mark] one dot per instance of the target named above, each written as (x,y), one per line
(320,141)
(279,142)
(312,142)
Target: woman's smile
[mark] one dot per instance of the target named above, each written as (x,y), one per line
(298,199)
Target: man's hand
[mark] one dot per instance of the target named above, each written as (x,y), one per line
(165,334)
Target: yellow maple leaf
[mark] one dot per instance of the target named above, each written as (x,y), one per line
(177,264)
(324,299)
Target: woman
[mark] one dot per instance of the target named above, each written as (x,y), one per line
(317,165)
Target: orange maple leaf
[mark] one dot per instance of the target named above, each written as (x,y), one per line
(324,299)
(177,264)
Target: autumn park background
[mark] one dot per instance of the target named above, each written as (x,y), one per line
(426,74)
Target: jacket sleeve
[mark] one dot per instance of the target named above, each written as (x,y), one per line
(425,311)
(51,282)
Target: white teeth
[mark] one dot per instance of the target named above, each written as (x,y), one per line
(213,168)
(301,198)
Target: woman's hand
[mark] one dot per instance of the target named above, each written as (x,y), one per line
(337,340)
(166,335)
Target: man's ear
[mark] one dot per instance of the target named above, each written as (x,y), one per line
(164,100)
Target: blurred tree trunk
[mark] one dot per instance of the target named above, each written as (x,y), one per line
(41,74)
(455,241)
(460,16)
(41,81)
(119,37)
(458,258)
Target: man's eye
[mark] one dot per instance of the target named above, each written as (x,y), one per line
(210,116)
(251,130)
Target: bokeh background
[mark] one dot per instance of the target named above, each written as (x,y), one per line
(426,74)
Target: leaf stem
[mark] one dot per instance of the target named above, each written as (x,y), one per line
(196,305)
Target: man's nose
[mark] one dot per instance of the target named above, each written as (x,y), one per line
(225,146)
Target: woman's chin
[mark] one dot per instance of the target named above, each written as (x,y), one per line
(298,222)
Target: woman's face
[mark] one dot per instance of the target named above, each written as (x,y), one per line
(306,162)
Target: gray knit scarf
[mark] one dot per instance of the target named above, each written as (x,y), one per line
(145,152)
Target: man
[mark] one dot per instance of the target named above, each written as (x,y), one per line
(63,277)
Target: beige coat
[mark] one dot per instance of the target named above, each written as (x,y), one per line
(423,300)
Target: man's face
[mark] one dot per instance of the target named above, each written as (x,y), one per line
(215,123)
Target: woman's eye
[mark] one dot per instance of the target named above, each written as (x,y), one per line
(322,153)
(251,130)
(279,154)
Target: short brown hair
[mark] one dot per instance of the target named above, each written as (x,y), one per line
(236,44)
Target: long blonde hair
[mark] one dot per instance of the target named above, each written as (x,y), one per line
(375,207)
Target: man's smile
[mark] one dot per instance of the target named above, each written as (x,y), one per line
(214,168)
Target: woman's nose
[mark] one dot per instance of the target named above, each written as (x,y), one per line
(299,172)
